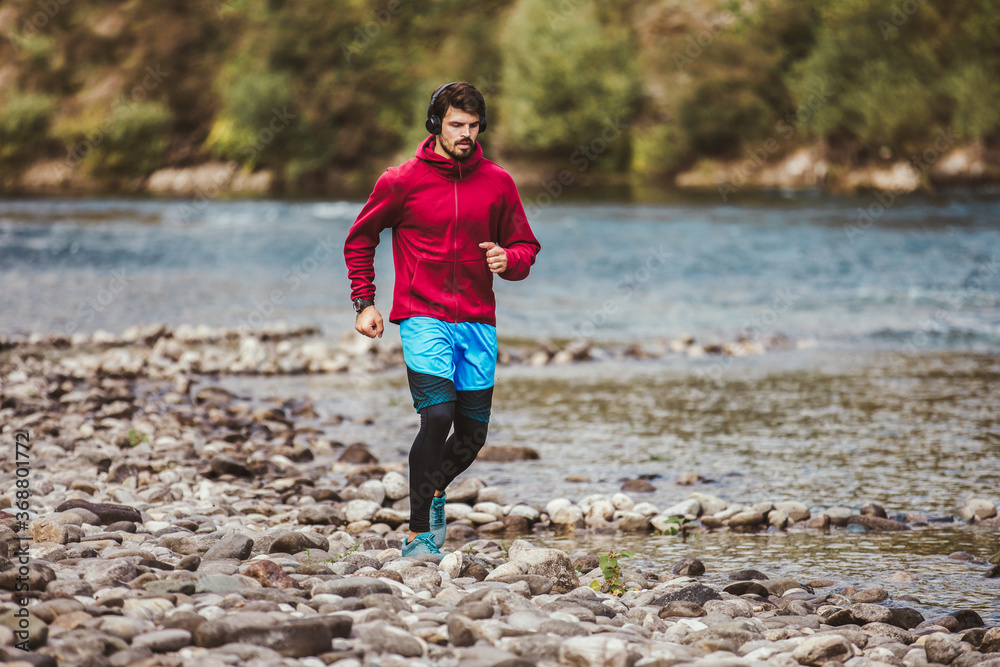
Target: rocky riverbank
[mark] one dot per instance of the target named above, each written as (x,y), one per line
(170,521)
(158,351)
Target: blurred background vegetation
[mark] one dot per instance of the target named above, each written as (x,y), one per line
(326,94)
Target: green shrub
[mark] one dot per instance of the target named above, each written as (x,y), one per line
(252,116)
(722,114)
(130,141)
(24,126)
(566,76)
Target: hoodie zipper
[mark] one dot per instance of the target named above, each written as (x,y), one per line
(454,266)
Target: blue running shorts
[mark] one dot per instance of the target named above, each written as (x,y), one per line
(463,352)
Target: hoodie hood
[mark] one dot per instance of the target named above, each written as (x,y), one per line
(448,167)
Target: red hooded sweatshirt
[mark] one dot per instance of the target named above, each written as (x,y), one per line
(440,210)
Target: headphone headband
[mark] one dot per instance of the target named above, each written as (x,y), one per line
(434,123)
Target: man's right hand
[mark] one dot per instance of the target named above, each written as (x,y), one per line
(369,322)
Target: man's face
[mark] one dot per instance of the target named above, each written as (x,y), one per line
(459,130)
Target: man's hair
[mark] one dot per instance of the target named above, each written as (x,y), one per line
(462,96)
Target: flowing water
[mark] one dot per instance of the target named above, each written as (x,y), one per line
(884,388)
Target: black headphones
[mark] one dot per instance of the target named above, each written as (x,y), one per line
(433,123)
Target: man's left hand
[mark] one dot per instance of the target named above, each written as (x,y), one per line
(496,257)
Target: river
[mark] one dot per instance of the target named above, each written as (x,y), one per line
(880,383)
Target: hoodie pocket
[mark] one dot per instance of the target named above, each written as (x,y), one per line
(432,289)
(474,289)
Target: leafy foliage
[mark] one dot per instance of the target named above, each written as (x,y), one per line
(567,73)
(612,572)
(24,126)
(132,139)
(351,80)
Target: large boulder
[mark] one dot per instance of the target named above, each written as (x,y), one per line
(550,563)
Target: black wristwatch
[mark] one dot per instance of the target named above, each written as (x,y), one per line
(360,304)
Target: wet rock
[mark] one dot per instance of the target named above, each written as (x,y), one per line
(537,584)
(870,595)
(633,522)
(991,641)
(226,465)
(551,563)
(381,637)
(296,542)
(682,609)
(839,516)
(360,510)
(689,509)
(353,587)
(295,638)
(537,647)
(395,485)
(873,509)
(451,564)
(955,622)
(875,523)
(466,492)
(821,522)
(66,588)
(746,588)
(44,529)
(372,490)
(108,513)
(863,613)
(778,519)
(745,575)
(823,649)
(567,518)
(234,545)
(40,576)
(163,641)
(190,563)
(36,628)
(905,617)
(695,593)
(708,503)
(270,575)
(796,511)
(81,646)
(595,650)
(113,572)
(322,514)
(886,630)
(518,525)
(462,631)
(689,567)
(357,453)
(505,454)
(475,609)
(780,586)
(638,486)
(393,518)
(942,649)
(977,509)
(748,519)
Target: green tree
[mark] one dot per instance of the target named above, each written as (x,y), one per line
(568,71)
(24,126)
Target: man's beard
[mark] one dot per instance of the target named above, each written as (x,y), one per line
(456,149)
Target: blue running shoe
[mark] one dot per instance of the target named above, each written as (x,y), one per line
(421,544)
(438,523)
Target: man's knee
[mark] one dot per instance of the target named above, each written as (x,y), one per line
(439,416)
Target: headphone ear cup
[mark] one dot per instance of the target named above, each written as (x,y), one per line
(482,124)
(433,124)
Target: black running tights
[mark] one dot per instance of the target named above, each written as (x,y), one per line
(436,458)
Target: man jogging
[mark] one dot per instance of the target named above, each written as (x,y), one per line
(456,220)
